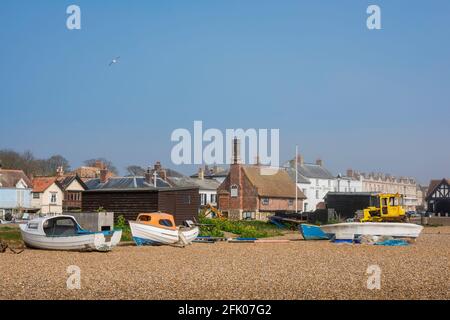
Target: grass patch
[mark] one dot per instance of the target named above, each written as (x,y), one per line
(10,234)
(245,229)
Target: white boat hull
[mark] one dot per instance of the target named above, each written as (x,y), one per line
(144,234)
(393,229)
(88,242)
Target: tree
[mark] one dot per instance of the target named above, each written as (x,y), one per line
(30,165)
(108,164)
(57,161)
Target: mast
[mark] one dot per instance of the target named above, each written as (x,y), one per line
(296,179)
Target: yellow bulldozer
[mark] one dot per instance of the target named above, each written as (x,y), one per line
(389,208)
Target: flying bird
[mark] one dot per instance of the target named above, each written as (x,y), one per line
(114,61)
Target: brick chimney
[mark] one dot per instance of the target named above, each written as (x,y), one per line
(201,173)
(103,175)
(350,173)
(319,162)
(236,151)
(60,171)
(148,175)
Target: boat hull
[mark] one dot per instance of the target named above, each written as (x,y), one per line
(144,234)
(393,229)
(85,242)
(312,232)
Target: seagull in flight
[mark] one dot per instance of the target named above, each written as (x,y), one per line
(114,61)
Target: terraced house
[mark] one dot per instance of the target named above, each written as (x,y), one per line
(15,193)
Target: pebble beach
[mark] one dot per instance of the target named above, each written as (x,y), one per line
(295,270)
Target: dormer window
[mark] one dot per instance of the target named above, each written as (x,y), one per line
(234,191)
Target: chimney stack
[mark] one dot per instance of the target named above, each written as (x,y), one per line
(148,175)
(319,162)
(60,171)
(201,173)
(157,165)
(103,175)
(236,151)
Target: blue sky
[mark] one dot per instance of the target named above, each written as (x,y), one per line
(370,100)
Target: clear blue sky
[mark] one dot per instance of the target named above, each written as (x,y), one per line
(370,100)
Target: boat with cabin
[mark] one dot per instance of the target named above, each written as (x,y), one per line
(159,229)
(64,233)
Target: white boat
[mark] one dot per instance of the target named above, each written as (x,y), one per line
(159,229)
(393,229)
(64,233)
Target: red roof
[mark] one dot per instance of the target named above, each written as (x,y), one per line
(41,184)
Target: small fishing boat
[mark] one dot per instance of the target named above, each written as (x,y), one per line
(64,233)
(312,232)
(392,229)
(159,229)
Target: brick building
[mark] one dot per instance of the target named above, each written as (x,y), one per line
(256,191)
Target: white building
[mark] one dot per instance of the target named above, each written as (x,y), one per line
(47,196)
(314,180)
(386,183)
(348,183)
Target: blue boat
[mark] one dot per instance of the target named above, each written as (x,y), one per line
(312,232)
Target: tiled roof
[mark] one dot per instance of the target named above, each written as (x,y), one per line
(10,178)
(300,178)
(206,184)
(272,182)
(67,180)
(312,171)
(40,184)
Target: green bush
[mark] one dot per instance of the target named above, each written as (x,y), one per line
(126,231)
(245,229)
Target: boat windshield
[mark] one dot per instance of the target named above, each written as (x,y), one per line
(60,227)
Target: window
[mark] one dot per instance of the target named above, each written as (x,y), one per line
(317,182)
(165,223)
(33,225)
(213,198)
(329,183)
(53,197)
(36,195)
(203,199)
(290,202)
(317,194)
(247,216)
(234,191)
(265,201)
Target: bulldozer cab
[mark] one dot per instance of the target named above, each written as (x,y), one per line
(386,207)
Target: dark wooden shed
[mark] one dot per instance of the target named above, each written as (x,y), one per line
(346,204)
(182,203)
